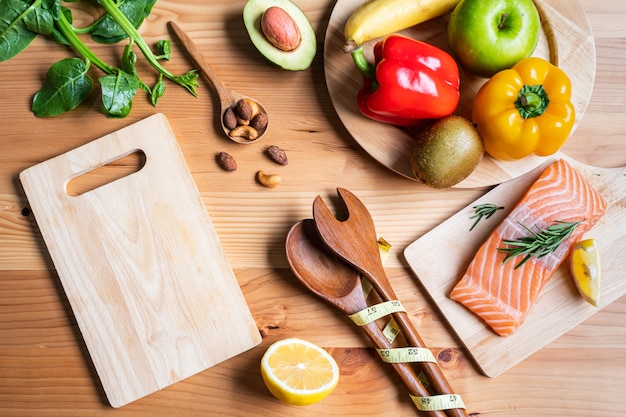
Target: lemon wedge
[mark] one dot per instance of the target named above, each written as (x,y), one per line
(299,372)
(585,269)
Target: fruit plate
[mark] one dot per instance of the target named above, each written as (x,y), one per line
(566,40)
(440,257)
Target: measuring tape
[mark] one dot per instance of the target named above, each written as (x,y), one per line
(391,330)
(402,354)
(407,354)
(438,402)
(376,312)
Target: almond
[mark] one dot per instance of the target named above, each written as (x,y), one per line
(243,110)
(259,122)
(226,161)
(230,119)
(278,155)
(280,29)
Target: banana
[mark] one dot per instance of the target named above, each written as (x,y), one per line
(376,18)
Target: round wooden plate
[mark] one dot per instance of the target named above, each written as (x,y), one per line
(566,40)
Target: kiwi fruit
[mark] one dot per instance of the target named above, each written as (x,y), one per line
(447,152)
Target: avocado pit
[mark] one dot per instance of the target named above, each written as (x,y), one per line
(281,32)
(280,29)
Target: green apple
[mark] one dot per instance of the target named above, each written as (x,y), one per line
(487,36)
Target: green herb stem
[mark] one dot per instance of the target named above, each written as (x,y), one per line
(67,30)
(188,81)
(484,211)
(540,243)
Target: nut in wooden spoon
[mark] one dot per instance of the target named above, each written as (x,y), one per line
(334,281)
(243,119)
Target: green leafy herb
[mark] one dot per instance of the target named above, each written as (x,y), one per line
(117,93)
(67,82)
(14,34)
(540,243)
(483,211)
(165,49)
(66,86)
(158,90)
(110,28)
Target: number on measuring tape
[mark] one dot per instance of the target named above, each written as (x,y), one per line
(376,312)
(438,402)
(404,355)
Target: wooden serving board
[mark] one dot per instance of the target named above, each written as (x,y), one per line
(440,258)
(140,261)
(566,40)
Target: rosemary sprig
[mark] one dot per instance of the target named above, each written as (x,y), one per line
(540,243)
(483,210)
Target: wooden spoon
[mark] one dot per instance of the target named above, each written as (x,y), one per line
(228,97)
(333,280)
(354,240)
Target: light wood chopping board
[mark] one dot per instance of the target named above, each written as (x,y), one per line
(440,258)
(140,261)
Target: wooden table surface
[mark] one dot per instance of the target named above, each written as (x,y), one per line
(45,369)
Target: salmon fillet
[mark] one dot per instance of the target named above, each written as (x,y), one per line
(502,295)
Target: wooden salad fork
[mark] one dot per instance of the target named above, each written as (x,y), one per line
(355,241)
(336,282)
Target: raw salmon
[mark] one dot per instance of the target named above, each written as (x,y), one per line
(502,295)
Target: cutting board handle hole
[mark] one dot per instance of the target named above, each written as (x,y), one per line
(114,170)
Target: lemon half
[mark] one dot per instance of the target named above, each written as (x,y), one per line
(585,269)
(299,372)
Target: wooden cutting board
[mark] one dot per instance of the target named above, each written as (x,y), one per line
(140,261)
(440,257)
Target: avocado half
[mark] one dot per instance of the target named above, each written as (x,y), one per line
(296,60)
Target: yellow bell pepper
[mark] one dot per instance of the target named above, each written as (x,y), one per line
(525,110)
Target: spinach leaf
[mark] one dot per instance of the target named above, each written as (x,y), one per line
(67,85)
(41,19)
(67,82)
(157,91)
(107,30)
(14,35)
(118,92)
(53,5)
(164,48)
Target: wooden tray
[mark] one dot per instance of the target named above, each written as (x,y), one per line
(141,263)
(440,258)
(566,40)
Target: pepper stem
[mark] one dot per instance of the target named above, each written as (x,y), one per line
(368,70)
(532,101)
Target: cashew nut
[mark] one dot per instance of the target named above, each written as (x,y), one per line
(268,180)
(242,122)
(247,132)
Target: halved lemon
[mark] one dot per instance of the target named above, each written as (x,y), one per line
(299,372)
(585,269)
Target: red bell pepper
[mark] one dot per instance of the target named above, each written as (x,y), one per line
(409,82)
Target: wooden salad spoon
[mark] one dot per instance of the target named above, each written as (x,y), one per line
(354,240)
(334,281)
(247,132)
